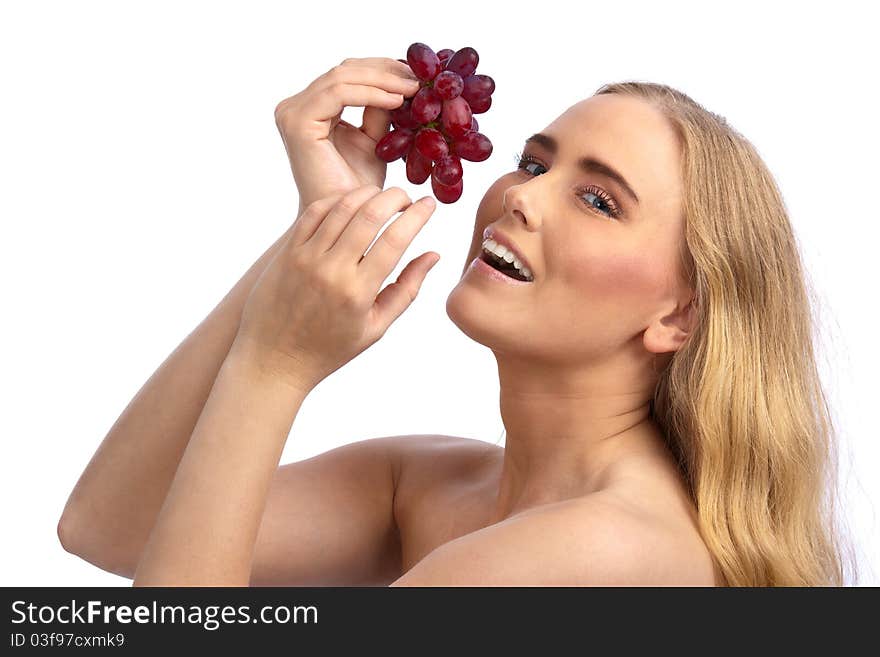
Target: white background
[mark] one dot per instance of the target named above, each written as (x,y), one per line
(141,174)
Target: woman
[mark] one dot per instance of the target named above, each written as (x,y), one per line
(665,420)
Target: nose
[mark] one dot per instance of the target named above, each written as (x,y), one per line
(518,202)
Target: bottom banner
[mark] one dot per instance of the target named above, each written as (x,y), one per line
(419,619)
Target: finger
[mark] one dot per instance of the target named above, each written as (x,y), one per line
(304,225)
(330,103)
(369,76)
(393,81)
(360,232)
(386,63)
(376,122)
(338,217)
(397,297)
(384,255)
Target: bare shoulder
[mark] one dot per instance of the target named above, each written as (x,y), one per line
(437,456)
(587,541)
(638,530)
(641,543)
(653,500)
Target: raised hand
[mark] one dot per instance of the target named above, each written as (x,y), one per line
(318,304)
(328,155)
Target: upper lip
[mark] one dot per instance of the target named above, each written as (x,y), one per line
(502,239)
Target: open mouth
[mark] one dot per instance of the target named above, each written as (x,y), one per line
(506,268)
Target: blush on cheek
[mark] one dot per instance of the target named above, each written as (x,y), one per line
(633,278)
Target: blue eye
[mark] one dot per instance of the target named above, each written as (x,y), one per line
(602,202)
(606,204)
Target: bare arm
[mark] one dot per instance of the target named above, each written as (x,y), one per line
(114,505)
(207,529)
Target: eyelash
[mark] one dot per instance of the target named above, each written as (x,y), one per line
(614,211)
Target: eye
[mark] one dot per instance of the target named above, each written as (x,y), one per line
(589,195)
(599,196)
(523,161)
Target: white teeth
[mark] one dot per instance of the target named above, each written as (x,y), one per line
(502,252)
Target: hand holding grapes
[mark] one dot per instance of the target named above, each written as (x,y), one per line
(328,155)
(318,305)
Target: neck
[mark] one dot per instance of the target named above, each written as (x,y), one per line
(567,425)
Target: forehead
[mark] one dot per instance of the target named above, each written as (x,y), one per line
(631,136)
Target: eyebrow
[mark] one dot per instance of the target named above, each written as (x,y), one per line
(588,164)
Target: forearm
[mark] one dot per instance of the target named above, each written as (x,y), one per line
(207,528)
(114,505)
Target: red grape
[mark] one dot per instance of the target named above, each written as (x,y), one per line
(444,56)
(456,117)
(474,146)
(401,117)
(423,61)
(426,105)
(464,62)
(481,105)
(435,129)
(448,85)
(447,193)
(447,170)
(418,167)
(394,144)
(431,144)
(477,86)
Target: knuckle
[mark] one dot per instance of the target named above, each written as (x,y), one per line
(314,207)
(323,279)
(298,260)
(372,216)
(348,205)
(351,298)
(285,111)
(408,293)
(347,60)
(394,240)
(280,111)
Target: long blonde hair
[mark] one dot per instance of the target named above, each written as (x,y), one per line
(741,402)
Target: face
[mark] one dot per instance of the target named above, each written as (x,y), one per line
(605,265)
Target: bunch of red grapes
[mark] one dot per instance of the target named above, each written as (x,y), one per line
(435,129)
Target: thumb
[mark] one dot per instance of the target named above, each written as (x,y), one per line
(376,122)
(397,297)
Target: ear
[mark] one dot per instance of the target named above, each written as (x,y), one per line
(668,332)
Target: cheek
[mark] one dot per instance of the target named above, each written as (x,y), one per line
(615,277)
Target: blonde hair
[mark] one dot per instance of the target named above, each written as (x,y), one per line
(741,403)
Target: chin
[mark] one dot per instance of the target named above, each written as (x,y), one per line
(467,309)
(463,307)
